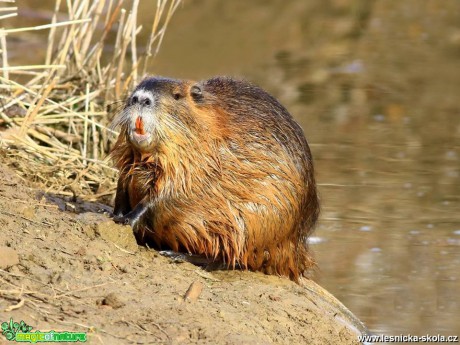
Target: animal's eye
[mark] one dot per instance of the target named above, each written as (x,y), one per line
(177,95)
(134,100)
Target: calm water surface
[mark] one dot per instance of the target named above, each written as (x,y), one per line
(375,85)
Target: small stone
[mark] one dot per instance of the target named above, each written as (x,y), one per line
(28,212)
(81,251)
(193,292)
(124,269)
(274,298)
(113,301)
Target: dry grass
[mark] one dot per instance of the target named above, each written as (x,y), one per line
(54,116)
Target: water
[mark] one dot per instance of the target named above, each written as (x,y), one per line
(375,86)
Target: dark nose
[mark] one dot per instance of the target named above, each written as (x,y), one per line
(143,98)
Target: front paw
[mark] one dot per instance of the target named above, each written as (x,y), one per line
(126,220)
(121,219)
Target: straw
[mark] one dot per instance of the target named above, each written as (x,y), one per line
(53,114)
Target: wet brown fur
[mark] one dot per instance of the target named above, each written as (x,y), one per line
(232,178)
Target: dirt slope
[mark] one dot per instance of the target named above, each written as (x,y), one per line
(81,272)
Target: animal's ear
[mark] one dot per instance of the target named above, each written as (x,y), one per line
(196,92)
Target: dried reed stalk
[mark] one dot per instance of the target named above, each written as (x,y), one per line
(53,115)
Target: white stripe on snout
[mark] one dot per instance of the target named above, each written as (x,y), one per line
(142,94)
(147,114)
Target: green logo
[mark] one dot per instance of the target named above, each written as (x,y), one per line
(21,332)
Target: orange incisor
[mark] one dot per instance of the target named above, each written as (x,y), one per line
(140,126)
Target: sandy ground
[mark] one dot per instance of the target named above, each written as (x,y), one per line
(80,272)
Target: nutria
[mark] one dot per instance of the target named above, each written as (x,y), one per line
(218,168)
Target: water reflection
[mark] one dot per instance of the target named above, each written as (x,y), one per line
(375,85)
